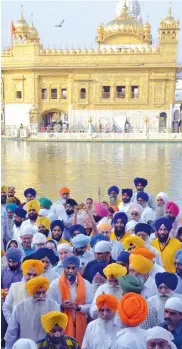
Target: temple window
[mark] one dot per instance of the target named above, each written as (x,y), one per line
(54,94)
(134,91)
(44,93)
(82,93)
(106,92)
(18,94)
(120,91)
(63,93)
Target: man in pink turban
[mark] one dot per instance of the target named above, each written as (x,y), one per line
(172,211)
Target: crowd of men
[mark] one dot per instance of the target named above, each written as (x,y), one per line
(91,275)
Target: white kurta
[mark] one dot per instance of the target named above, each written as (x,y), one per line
(99,334)
(87,257)
(59,210)
(16,294)
(179,287)
(124,207)
(16,233)
(149,289)
(156,269)
(117,248)
(147,215)
(130,338)
(25,321)
(104,289)
(51,274)
(159,304)
(55,294)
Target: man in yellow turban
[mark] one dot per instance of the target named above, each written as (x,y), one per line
(43,224)
(25,321)
(101,332)
(141,267)
(54,324)
(112,272)
(132,311)
(17,291)
(32,207)
(131,242)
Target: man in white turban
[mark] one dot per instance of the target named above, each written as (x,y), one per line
(158,337)
(23,343)
(161,200)
(173,319)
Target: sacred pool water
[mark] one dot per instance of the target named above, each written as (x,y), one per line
(83,167)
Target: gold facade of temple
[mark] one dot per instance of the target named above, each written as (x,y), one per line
(50,79)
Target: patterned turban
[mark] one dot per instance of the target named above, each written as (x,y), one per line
(145,252)
(140,264)
(33,204)
(114,270)
(44,221)
(133,240)
(32,264)
(36,283)
(53,318)
(108,301)
(132,309)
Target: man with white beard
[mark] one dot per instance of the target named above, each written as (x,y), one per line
(101,332)
(59,207)
(166,284)
(25,321)
(112,287)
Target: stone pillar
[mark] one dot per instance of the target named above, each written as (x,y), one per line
(36,91)
(34,120)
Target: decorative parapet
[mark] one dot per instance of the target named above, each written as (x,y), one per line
(104,51)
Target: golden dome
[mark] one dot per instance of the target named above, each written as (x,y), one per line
(124,20)
(169,19)
(22,26)
(33,32)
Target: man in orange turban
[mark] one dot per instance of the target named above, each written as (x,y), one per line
(54,324)
(17,291)
(132,311)
(25,321)
(101,332)
(58,208)
(141,267)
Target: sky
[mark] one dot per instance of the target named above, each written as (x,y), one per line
(81,19)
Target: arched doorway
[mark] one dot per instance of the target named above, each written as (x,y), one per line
(162,121)
(53,120)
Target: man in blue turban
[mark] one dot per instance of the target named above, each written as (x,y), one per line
(30,194)
(178,266)
(166,284)
(147,214)
(57,228)
(113,193)
(19,218)
(126,199)
(140,184)
(77,229)
(48,257)
(80,249)
(119,222)
(12,272)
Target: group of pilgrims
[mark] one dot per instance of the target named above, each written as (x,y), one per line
(91,275)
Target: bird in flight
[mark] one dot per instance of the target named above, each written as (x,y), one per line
(60,25)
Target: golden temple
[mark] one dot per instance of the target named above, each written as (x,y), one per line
(126,79)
